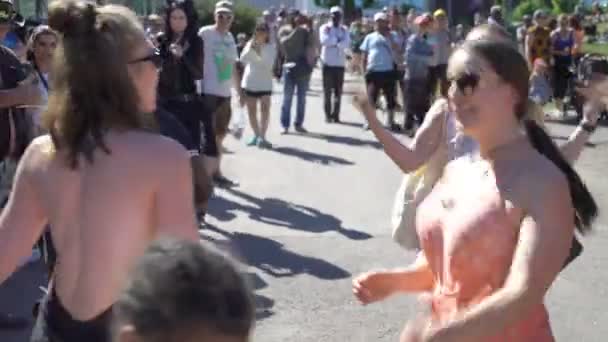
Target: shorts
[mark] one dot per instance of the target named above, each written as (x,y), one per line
(257,94)
(221,112)
(191,115)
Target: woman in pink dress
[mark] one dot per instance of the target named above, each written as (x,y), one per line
(493,238)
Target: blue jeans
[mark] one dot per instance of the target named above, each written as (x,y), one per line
(289,86)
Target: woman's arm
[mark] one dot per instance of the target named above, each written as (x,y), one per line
(23,219)
(545,236)
(248,54)
(193,59)
(572,149)
(425,143)
(375,286)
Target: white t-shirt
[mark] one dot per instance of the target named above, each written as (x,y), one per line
(220,55)
(258,67)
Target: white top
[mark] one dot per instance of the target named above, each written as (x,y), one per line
(220,55)
(459,145)
(258,67)
(36,111)
(334,41)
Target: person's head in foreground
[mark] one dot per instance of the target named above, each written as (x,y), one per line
(490,32)
(489,96)
(105,73)
(182,291)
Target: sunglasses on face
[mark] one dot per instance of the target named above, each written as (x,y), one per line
(155,57)
(223,16)
(465,81)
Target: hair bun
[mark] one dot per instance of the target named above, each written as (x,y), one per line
(72,18)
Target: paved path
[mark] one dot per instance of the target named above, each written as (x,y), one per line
(314,211)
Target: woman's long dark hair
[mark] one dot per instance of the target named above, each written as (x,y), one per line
(512,68)
(191,32)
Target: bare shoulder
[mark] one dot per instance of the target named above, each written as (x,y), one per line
(542,182)
(157,147)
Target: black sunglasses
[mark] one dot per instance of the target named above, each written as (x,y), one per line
(464,81)
(155,57)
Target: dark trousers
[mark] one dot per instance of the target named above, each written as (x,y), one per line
(333,82)
(417,101)
(438,77)
(385,81)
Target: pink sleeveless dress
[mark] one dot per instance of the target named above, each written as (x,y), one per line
(469,243)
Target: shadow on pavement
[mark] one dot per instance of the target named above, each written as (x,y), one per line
(270,257)
(350,141)
(276,212)
(323,159)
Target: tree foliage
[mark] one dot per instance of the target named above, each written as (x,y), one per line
(527,7)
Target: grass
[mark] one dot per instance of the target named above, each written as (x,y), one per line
(601,49)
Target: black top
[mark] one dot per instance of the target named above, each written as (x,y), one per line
(178,75)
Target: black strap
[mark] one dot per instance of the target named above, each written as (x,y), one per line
(45,83)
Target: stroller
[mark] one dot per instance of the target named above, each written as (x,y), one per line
(581,75)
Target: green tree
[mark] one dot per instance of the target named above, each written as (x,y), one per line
(564,6)
(527,7)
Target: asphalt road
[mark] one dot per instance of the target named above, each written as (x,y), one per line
(314,211)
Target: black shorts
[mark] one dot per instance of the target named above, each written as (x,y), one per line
(171,127)
(191,115)
(256,94)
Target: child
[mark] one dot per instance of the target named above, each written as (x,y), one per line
(540,90)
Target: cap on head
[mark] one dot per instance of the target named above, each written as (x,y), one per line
(335,10)
(423,20)
(380,16)
(223,7)
(540,14)
(440,13)
(496,9)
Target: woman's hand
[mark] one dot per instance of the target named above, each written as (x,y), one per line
(361,102)
(374,286)
(176,50)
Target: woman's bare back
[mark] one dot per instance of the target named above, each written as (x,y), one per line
(104,214)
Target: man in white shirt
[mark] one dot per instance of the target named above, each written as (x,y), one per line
(334,39)
(220,59)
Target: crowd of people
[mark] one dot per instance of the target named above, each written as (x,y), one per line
(118,135)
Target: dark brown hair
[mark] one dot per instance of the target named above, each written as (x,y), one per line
(264,26)
(92,90)
(575,23)
(181,285)
(512,68)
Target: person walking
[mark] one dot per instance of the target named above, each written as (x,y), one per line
(104,186)
(297,60)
